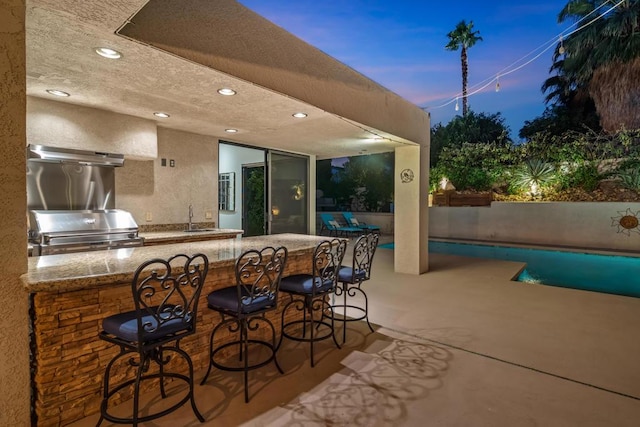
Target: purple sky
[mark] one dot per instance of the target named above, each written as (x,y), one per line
(400,45)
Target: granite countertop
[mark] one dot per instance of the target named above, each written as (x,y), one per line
(169,236)
(86,270)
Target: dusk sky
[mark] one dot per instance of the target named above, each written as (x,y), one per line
(400,45)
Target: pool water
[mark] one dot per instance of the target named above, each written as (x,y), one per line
(592,272)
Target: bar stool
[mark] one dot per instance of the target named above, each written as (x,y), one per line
(243,306)
(312,291)
(350,280)
(165,294)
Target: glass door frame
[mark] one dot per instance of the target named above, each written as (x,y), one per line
(268,214)
(269,189)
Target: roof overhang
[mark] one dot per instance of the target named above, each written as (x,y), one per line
(178,53)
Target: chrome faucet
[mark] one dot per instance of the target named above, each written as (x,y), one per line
(190,217)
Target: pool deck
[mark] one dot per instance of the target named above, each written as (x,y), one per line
(462,345)
(543,355)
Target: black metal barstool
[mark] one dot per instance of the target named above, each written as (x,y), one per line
(313,290)
(350,279)
(243,306)
(165,294)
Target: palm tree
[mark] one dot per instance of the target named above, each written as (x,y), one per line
(567,98)
(604,58)
(463,37)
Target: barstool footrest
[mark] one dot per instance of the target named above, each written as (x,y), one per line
(332,314)
(149,417)
(299,338)
(260,364)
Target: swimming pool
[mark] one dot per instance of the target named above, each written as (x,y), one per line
(612,274)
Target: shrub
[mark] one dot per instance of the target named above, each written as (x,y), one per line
(585,176)
(534,175)
(476,166)
(630,178)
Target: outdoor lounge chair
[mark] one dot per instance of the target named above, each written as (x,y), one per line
(329,223)
(353,222)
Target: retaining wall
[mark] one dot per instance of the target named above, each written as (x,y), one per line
(593,225)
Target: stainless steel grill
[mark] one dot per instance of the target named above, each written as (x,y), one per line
(55,232)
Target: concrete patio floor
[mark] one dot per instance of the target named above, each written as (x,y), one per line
(462,345)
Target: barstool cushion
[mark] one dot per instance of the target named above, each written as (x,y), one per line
(125,326)
(227,300)
(303,284)
(346,275)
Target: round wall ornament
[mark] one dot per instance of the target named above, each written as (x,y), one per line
(406,175)
(627,222)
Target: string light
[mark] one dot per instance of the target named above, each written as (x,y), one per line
(545,47)
(498,83)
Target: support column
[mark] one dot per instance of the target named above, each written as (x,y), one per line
(15,384)
(411,213)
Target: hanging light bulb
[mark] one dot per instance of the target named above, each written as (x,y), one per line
(457,106)
(561,48)
(498,83)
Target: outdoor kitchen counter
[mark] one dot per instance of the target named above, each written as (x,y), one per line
(181,236)
(71,294)
(95,269)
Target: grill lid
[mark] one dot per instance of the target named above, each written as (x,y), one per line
(44,224)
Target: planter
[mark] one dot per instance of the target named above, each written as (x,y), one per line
(452,198)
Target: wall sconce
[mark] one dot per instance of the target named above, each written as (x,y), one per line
(298,191)
(275,211)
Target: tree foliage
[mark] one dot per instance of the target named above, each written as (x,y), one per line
(364,182)
(474,128)
(255,191)
(558,119)
(601,61)
(323,177)
(474,166)
(370,180)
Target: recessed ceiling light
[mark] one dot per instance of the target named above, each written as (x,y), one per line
(299,115)
(226,91)
(161,115)
(108,53)
(57,92)
(231,130)
(374,139)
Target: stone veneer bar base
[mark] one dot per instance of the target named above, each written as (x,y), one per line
(70,359)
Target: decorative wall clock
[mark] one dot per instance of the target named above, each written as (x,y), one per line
(406,176)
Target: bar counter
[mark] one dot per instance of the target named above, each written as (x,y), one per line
(72,293)
(182,236)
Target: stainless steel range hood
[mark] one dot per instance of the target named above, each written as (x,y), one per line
(66,179)
(65,155)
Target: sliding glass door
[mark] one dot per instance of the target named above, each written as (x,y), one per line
(288,193)
(262,191)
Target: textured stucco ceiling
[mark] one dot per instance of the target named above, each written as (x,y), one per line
(163,70)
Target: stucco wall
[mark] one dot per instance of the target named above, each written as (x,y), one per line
(165,192)
(59,124)
(14,321)
(585,225)
(154,194)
